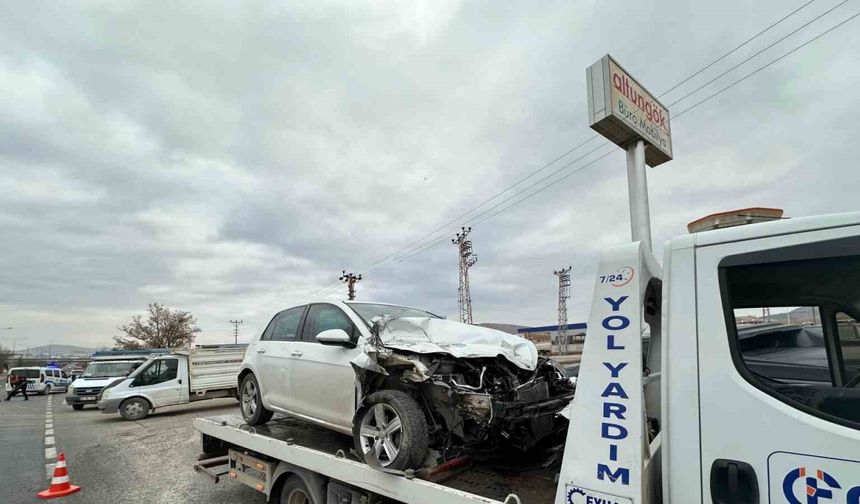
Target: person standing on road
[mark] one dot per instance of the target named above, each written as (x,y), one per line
(19,384)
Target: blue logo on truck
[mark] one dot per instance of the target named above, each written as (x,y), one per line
(818,488)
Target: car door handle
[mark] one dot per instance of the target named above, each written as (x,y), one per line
(261,350)
(733,482)
(296,353)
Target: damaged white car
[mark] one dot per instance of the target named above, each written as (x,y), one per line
(411,388)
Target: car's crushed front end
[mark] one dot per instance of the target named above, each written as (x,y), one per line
(481,389)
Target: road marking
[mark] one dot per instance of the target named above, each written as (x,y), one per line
(50,440)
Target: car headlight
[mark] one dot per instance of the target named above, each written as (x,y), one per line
(70,390)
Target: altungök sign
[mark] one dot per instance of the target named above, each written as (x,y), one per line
(623,111)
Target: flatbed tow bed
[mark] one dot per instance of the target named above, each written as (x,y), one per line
(321,456)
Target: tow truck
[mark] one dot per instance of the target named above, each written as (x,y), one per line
(711,413)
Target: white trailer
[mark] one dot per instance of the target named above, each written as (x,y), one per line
(178,377)
(712,414)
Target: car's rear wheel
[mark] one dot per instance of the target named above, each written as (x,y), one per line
(392,428)
(77,407)
(47,389)
(251,402)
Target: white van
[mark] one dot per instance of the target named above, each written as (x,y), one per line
(42,380)
(207,372)
(99,374)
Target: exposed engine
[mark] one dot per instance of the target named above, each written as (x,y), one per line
(481,389)
(485,403)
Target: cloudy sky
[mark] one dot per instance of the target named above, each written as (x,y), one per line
(231,159)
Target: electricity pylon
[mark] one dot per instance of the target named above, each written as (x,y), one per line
(467,260)
(563,295)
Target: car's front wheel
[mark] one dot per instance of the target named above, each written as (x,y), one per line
(391,427)
(77,407)
(136,408)
(251,402)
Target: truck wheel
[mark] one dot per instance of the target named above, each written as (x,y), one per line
(251,402)
(391,425)
(294,491)
(135,408)
(77,407)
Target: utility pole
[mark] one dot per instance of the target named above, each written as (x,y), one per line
(563,295)
(350,280)
(236,329)
(467,260)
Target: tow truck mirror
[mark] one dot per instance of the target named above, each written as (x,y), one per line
(336,337)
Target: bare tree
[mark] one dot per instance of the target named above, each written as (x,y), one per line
(163,328)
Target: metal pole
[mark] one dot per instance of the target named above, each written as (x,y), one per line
(637,188)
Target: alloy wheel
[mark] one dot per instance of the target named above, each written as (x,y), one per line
(381,433)
(249,398)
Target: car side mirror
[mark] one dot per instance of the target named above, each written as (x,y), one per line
(336,337)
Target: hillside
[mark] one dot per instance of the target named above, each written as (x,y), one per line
(60,350)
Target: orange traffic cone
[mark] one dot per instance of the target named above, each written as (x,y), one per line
(60,486)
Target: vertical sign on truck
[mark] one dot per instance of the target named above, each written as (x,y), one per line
(623,111)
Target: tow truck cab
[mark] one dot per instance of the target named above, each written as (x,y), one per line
(751,389)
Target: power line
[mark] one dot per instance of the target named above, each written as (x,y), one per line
(816,18)
(374,266)
(675,117)
(745,77)
(484,202)
(747,41)
(380,265)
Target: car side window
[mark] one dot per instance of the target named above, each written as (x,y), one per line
(793,329)
(286,326)
(157,372)
(322,317)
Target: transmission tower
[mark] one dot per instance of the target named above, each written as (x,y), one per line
(236,329)
(350,279)
(467,260)
(563,295)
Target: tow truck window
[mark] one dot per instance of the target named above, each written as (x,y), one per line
(793,327)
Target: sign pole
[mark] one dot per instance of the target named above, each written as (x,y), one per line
(637,188)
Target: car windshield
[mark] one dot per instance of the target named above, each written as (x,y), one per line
(368,311)
(109,369)
(27,373)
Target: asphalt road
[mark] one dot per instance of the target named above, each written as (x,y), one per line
(114,461)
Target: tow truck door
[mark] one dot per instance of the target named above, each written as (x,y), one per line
(779,401)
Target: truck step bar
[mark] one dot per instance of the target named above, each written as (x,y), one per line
(213,467)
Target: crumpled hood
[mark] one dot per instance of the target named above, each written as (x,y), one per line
(428,335)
